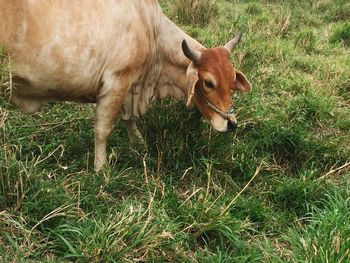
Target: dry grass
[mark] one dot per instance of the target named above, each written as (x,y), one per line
(6,84)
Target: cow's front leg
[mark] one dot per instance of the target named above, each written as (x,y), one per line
(134,134)
(106,112)
(112,94)
(107,108)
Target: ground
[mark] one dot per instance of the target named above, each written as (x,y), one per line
(276,190)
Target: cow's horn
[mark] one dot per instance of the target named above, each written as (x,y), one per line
(233,42)
(191,54)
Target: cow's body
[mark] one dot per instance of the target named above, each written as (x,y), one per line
(118,54)
(70,50)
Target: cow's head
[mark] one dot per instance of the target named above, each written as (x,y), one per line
(212,79)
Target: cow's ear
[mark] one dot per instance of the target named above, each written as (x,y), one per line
(192,78)
(241,83)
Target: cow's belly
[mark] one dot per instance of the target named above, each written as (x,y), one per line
(67,80)
(29,94)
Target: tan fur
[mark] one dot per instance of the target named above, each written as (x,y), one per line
(121,54)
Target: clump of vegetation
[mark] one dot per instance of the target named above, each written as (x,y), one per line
(253,9)
(334,11)
(293,194)
(305,39)
(325,235)
(194,12)
(5,76)
(341,34)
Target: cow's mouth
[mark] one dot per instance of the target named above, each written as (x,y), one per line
(223,125)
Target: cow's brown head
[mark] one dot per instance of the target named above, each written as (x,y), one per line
(212,79)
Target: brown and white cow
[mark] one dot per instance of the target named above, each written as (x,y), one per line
(119,54)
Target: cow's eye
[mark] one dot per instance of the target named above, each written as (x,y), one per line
(209,84)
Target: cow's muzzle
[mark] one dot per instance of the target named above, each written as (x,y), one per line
(229,115)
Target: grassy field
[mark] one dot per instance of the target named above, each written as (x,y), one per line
(183,201)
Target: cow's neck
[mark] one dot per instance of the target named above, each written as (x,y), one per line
(173,80)
(166,70)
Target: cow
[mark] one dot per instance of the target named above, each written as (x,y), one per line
(121,55)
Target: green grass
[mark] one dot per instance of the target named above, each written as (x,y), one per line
(181,201)
(341,34)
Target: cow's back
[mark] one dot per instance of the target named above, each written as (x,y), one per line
(60,48)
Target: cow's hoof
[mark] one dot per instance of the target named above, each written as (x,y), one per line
(139,145)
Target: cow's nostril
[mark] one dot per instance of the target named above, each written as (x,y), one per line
(231,125)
